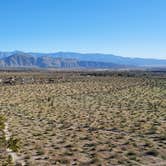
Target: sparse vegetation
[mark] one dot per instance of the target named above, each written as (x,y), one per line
(99,119)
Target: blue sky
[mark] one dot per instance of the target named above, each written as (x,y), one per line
(135,28)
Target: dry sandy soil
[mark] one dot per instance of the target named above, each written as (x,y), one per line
(112,120)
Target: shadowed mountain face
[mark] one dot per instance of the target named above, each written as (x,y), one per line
(74,60)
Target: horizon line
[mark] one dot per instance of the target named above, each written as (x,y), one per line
(97,53)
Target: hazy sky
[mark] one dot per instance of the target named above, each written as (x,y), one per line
(135,28)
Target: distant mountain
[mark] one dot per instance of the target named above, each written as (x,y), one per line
(51,62)
(139,62)
(6,54)
(74,60)
(20,59)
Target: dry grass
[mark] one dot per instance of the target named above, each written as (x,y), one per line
(96,121)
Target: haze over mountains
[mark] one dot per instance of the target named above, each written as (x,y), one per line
(74,60)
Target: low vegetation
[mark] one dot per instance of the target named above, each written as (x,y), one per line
(86,119)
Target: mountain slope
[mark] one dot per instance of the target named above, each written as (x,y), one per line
(18,60)
(74,60)
(139,62)
(27,60)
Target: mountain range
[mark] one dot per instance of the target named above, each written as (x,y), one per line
(74,60)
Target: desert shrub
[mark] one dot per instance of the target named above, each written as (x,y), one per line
(40,152)
(14,144)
